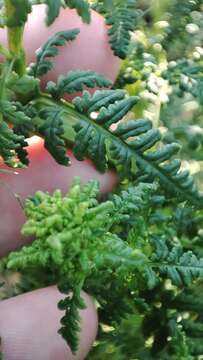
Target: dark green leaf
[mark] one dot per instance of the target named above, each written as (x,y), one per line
(25,85)
(182,268)
(128,146)
(70,322)
(82,7)
(52,130)
(76,81)
(122,20)
(50,50)
(53,9)
(15,113)
(11,146)
(88,104)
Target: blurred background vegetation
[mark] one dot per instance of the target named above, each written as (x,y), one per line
(165,67)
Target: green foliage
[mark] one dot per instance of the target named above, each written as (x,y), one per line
(52,130)
(14,139)
(122,22)
(180,268)
(76,81)
(121,16)
(137,251)
(66,226)
(49,49)
(71,320)
(179,346)
(82,7)
(23,86)
(10,111)
(53,8)
(127,147)
(13,88)
(78,243)
(12,144)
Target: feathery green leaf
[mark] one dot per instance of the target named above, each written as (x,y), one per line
(82,7)
(50,50)
(76,81)
(11,146)
(71,320)
(128,146)
(122,21)
(52,130)
(14,112)
(180,267)
(53,9)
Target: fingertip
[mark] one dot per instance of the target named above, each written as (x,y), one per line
(52,176)
(29,325)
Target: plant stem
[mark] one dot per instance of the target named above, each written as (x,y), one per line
(69,115)
(15,39)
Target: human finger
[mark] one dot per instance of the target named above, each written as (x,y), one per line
(42,174)
(29,325)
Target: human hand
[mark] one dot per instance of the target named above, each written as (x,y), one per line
(29,322)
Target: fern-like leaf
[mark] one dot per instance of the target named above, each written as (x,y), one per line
(122,21)
(11,145)
(75,237)
(128,146)
(75,81)
(52,130)
(70,322)
(14,112)
(22,128)
(88,104)
(53,9)
(129,201)
(82,7)
(50,50)
(179,346)
(182,268)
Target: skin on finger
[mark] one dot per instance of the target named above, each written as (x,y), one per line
(90,51)
(29,325)
(94,37)
(42,174)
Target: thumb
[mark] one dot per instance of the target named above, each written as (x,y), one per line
(29,325)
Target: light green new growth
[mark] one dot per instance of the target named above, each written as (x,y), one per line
(73,237)
(77,238)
